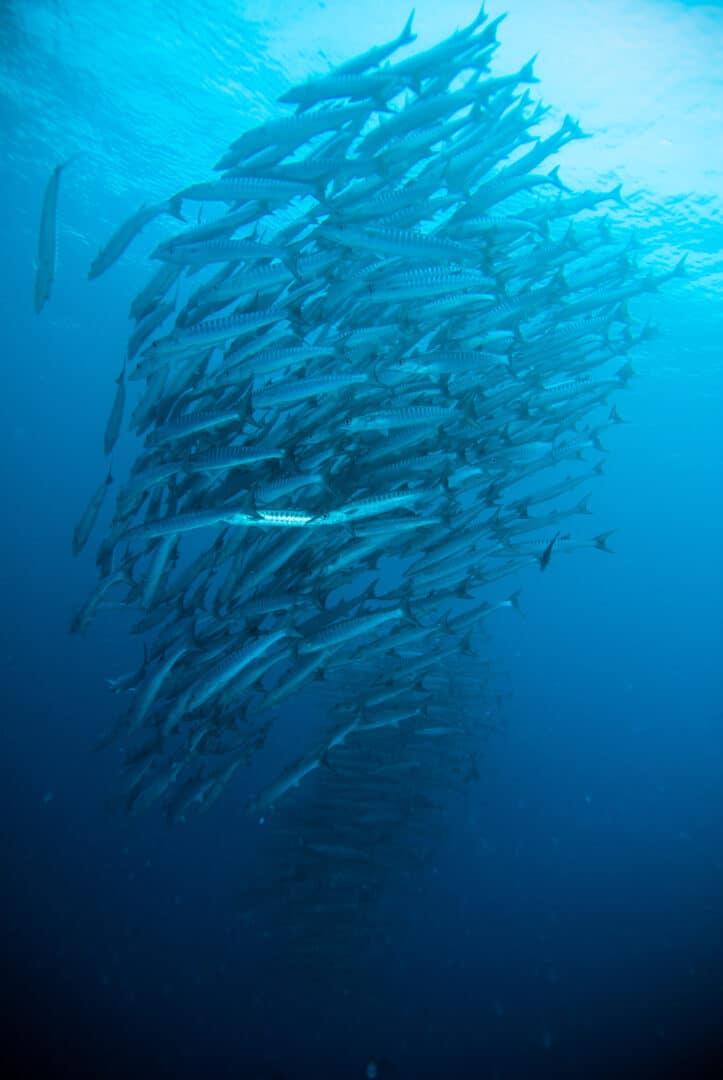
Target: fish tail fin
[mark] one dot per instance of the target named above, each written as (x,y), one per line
(444,384)
(514,601)
(290,259)
(326,483)
(554,177)
(597,441)
(246,405)
(617,195)
(479,19)
(469,411)
(407,36)
(408,613)
(573,129)
(174,207)
(324,759)
(318,597)
(559,284)
(526,74)
(571,239)
(626,373)
(370,593)
(679,268)
(320,188)
(601,541)
(290,629)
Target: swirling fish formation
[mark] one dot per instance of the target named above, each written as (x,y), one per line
(365,378)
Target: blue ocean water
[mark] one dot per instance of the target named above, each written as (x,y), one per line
(570,921)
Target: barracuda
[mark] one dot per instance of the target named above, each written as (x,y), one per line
(245,188)
(231,457)
(340,633)
(45,261)
(400,242)
(368,367)
(126,234)
(232,666)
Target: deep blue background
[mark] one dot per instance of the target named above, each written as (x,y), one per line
(571,923)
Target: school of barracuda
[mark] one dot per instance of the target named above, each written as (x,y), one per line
(373,379)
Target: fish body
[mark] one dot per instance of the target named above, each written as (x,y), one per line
(205,334)
(152,687)
(347,630)
(115,417)
(231,457)
(88,518)
(45,260)
(547,553)
(230,667)
(235,189)
(125,234)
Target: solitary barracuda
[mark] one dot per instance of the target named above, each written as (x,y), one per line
(45,262)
